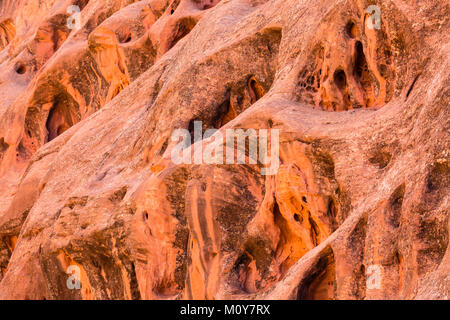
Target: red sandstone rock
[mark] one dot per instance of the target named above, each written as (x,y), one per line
(87,179)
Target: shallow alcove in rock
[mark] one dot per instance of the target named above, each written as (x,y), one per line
(59,120)
(319,284)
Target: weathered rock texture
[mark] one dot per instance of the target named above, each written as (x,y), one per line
(86,177)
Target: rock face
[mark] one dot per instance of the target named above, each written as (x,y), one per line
(359,205)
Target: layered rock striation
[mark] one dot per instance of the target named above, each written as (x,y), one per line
(357,208)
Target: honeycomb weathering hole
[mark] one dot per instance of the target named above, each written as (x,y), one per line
(360,60)
(360,73)
(340,79)
(351,29)
(232,104)
(174,5)
(20,68)
(255,89)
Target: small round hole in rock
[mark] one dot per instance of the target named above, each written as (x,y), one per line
(20,68)
(351,30)
(296,217)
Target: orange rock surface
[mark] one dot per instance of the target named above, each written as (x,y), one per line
(361,195)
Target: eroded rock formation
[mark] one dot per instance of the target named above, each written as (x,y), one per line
(87,178)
